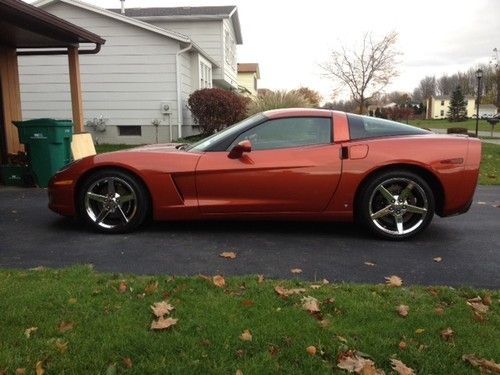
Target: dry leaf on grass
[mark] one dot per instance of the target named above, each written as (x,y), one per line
(296,270)
(325,281)
(418,331)
(247,303)
(355,362)
(161,308)
(310,304)
(39,370)
(439,310)
(260,279)
(370,264)
(151,288)
(29,331)
(478,305)
(122,287)
(163,323)
(401,368)
(246,335)
(127,362)
(394,280)
(19,371)
(239,372)
(403,310)
(437,259)
(72,301)
(482,363)
(65,326)
(311,350)
(228,255)
(218,281)
(315,286)
(324,323)
(402,345)
(61,345)
(283,292)
(447,334)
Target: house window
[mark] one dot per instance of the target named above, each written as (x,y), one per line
(442,102)
(205,74)
(129,131)
(442,113)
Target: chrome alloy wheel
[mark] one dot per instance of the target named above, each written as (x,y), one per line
(110,202)
(398,206)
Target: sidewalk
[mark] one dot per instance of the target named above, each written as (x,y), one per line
(481,134)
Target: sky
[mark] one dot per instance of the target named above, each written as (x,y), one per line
(290,39)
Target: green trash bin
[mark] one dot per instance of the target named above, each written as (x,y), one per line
(48,144)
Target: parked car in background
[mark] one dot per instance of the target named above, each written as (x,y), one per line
(292,164)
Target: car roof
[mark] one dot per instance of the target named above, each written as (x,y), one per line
(286,112)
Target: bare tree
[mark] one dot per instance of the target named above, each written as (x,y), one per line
(365,72)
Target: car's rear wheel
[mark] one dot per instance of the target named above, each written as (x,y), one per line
(113,201)
(397,204)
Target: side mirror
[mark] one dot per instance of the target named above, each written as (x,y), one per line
(239,149)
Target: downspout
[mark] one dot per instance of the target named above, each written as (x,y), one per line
(179,94)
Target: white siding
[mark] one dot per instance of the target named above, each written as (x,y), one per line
(125,82)
(186,87)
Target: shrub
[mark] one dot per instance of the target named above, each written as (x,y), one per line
(214,109)
(456,130)
(278,99)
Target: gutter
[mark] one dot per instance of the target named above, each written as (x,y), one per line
(179,86)
(35,52)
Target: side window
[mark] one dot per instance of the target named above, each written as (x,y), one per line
(361,127)
(288,132)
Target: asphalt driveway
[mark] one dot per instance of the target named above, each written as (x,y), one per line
(469,245)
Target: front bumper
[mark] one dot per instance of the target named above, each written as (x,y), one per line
(61,197)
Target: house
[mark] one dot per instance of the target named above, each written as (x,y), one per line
(248,75)
(438,107)
(138,86)
(27,30)
(487,110)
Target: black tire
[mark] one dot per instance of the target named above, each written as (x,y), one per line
(121,212)
(381,211)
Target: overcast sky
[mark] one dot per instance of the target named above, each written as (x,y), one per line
(290,38)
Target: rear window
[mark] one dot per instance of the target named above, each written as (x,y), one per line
(370,127)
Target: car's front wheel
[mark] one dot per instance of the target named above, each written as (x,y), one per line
(397,204)
(113,201)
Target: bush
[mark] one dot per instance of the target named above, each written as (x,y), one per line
(214,109)
(456,131)
(278,99)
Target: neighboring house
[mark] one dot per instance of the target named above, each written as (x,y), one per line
(248,75)
(487,110)
(153,59)
(438,107)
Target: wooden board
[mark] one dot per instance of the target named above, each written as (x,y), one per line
(82,146)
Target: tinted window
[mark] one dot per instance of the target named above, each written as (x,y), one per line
(289,132)
(368,127)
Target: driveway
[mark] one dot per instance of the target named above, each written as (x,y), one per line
(469,245)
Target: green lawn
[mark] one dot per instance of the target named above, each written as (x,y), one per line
(489,174)
(470,124)
(86,323)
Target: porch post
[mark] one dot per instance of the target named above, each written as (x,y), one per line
(76,88)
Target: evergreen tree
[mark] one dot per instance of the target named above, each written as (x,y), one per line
(458,106)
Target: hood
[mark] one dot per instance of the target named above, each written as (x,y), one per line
(163,147)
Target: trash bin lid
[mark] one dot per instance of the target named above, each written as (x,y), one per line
(43,122)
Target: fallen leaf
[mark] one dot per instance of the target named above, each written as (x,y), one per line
(161,308)
(315,286)
(296,270)
(111,370)
(247,303)
(39,370)
(370,264)
(39,268)
(401,368)
(72,301)
(341,339)
(240,353)
(218,281)
(29,331)
(127,362)
(356,363)
(324,323)
(274,350)
(325,281)
(418,331)
(439,310)
(433,291)
(478,305)
(20,371)
(228,255)
(487,300)
(287,292)
(437,259)
(246,335)
(402,345)
(122,287)
(163,323)
(238,372)
(65,326)
(260,279)
(311,350)
(310,304)
(447,334)
(394,280)
(61,345)
(403,310)
(151,288)
(482,363)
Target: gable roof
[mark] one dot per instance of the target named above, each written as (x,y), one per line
(188,13)
(131,21)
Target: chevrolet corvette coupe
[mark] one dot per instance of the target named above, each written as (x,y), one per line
(292,164)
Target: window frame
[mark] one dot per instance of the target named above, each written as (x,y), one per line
(129,127)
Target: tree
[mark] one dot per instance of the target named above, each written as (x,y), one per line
(277,99)
(458,107)
(365,72)
(214,109)
(312,96)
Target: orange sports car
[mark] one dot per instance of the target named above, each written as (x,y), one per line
(292,164)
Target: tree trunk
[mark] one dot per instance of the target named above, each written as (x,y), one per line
(361,105)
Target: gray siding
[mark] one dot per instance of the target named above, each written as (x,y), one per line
(125,82)
(230,70)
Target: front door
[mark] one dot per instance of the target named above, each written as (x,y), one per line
(293,167)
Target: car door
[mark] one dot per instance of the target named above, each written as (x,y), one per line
(293,167)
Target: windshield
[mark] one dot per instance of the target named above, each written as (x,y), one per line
(235,129)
